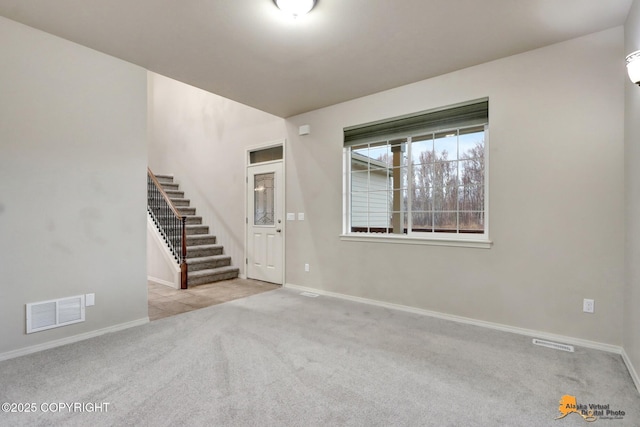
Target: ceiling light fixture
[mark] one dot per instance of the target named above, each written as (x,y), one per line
(633,66)
(295,7)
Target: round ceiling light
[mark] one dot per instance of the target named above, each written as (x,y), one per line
(295,7)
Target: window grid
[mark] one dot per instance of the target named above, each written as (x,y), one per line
(432,162)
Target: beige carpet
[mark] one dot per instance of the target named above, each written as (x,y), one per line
(282,359)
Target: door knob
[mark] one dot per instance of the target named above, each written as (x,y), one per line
(278,230)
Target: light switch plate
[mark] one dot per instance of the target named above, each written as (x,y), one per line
(89,300)
(291,216)
(300,216)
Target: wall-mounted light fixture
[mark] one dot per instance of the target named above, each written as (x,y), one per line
(295,7)
(633,66)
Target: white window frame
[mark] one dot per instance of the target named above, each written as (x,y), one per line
(471,240)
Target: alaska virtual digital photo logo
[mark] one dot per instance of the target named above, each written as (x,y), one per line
(590,412)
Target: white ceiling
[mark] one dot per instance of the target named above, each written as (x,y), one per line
(248,51)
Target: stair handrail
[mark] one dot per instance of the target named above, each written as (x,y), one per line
(170,223)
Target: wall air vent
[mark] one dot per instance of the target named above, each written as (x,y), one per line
(554,345)
(54,313)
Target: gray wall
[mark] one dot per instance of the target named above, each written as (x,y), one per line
(201,139)
(632,160)
(72,183)
(556,147)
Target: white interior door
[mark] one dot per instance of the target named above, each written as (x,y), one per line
(265,226)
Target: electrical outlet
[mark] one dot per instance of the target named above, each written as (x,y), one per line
(306,268)
(588,305)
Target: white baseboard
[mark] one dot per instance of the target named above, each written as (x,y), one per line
(162,282)
(491,325)
(69,340)
(632,370)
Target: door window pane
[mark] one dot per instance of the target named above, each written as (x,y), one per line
(264,195)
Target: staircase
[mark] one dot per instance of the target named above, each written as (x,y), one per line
(205,259)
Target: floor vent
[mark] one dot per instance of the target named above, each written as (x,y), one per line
(308,294)
(54,313)
(554,345)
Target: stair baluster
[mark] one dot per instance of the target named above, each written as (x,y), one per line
(170,223)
